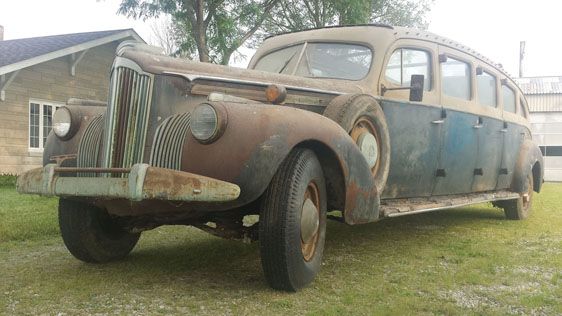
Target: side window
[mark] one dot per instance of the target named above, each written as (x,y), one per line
(508,99)
(406,62)
(487,91)
(455,78)
(522,106)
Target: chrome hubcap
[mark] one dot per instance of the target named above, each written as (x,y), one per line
(368,145)
(310,221)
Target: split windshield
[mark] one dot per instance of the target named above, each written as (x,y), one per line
(319,60)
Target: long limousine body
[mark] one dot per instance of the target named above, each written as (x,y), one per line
(371,120)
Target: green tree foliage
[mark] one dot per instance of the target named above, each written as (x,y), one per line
(212,30)
(303,14)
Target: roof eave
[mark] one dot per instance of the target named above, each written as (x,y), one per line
(69,50)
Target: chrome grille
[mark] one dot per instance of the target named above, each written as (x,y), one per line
(127,117)
(89,148)
(168,142)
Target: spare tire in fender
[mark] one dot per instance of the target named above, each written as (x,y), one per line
(360,115)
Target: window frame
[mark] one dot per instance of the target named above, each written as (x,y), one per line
(430,60)
(54,106)
(305,43)
(471,79)
(496,81)
(515,96)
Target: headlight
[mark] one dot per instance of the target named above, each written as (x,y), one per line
(207,124)
(62,121)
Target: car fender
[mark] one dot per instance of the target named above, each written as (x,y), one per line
(56,147)
(529,156)
(257,139)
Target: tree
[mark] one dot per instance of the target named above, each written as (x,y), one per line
(296,15)
(163,35)
(210,30)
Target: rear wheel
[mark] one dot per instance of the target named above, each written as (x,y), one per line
(293,222)
(519,208)
(91,234)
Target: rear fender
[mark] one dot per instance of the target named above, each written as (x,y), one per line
(257,139)
(530,161)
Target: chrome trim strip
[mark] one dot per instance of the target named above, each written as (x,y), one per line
(191,77)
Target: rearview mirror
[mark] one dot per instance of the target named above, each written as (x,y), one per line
(416,88)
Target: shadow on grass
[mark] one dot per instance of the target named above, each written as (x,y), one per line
(208,262)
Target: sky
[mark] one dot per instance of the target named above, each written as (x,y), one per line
(492,27)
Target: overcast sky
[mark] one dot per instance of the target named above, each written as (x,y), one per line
(492,27)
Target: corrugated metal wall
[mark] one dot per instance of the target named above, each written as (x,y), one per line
(544,95)
(545,102)
(547,132)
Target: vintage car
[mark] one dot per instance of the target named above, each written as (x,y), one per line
(372,121)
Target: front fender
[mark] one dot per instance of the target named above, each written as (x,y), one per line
(529,155)
(58,147)
(257,139)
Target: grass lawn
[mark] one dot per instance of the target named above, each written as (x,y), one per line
(464,261)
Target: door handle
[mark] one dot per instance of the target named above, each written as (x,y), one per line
(503,130)
(438,122)
(478,123)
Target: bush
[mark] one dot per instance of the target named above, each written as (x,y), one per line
(8,180)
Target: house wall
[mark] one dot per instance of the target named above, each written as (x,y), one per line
(547,132)
(50,82)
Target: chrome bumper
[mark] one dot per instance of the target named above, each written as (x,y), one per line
(143,183)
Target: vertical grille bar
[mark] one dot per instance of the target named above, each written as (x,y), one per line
(127,119)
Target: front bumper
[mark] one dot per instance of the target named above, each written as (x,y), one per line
(143,183)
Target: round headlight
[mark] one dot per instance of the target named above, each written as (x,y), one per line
(62,121)
(204,123)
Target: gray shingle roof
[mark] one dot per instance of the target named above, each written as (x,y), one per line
(541,85)
(21,50)
(13,51)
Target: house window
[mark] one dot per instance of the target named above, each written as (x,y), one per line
(40,123)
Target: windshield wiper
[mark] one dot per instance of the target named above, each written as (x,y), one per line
(287,62)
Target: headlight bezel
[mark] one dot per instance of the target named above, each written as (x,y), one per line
(73,122)
(221,120)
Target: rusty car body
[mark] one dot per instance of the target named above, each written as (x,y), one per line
(385,121)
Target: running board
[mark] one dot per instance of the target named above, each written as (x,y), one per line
(399,207)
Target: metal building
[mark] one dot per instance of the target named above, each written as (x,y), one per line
(544,95)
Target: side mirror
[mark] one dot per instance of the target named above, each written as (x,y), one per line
(416,88)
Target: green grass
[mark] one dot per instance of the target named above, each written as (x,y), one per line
(454,262)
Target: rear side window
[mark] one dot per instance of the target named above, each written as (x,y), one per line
(407,62)
(508,99)
(456,78)
(487,91)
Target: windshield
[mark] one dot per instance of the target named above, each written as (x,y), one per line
(319,60)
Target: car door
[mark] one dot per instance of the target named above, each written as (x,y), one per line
(514,134)
(414,133)
(459,140)
(491,133)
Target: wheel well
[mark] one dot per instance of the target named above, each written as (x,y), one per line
(537,178)
(335,183)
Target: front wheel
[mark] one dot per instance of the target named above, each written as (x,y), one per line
(91,234)
(292,225)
